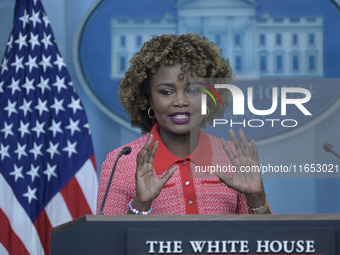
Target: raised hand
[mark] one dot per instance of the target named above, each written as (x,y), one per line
(148,186)
(248,182)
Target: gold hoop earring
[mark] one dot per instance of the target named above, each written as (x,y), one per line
(151,117)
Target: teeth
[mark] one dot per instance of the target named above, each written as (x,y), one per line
(180,116)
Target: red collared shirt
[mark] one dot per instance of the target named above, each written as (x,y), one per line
(191,190)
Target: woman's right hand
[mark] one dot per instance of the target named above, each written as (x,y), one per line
(148,186)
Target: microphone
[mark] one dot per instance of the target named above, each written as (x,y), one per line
(329,148)
(124,151)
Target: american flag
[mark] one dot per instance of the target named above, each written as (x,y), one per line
(47,173)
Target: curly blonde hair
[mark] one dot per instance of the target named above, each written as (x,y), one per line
(195,53)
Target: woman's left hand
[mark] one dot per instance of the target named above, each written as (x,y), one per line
(248,182)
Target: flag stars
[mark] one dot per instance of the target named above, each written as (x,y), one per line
(26,107)
(30,194)
(87,125)
(23,129)
(7,129)
(31,63)
(35,95)
(28,85)
(14,86)
(58,105)
(17,173)
(34,133)
(46,40)
(10,108)
(10,43)
(75,104)
(60,84)
(41,107)
(55,128)
(73,126)
(53,149)
(70,148)
(21,41)
(39,128)
(45,62)
(59,62)
(24,19)
(18,63)
(46,20)
(43,84)
(4,65)
(50,171)
(21,150)
(33,172)
(4,151)
(34,41)
(36,150)
(35,18)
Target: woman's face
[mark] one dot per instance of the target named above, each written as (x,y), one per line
(176,103)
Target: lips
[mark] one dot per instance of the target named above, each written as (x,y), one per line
(180,117)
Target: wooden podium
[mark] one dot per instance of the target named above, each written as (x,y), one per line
(183,234)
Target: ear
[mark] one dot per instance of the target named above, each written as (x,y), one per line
(151,103)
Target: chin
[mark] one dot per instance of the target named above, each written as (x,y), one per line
(185,129)
(181,130)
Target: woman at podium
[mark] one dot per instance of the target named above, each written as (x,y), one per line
(176,168)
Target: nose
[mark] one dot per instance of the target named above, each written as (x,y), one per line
(181,100)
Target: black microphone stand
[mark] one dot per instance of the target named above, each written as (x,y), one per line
(125,151)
